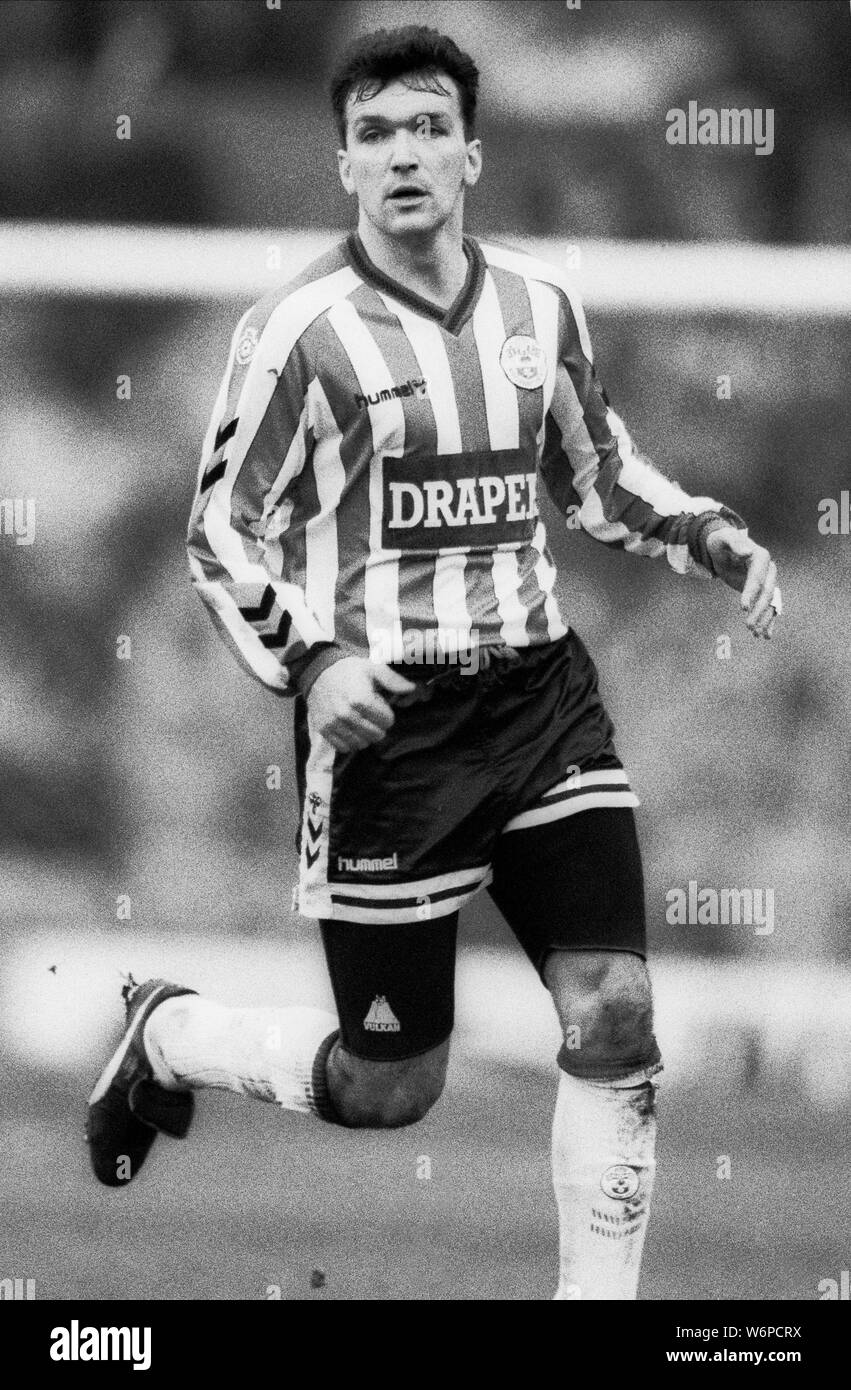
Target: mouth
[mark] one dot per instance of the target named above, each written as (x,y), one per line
(408,193)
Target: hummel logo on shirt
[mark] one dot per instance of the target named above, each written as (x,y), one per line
(381,1018)
(412,387)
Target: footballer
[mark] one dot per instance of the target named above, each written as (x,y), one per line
(366,536)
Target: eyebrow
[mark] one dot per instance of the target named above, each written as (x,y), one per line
(365,119)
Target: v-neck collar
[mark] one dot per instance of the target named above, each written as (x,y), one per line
(462,306)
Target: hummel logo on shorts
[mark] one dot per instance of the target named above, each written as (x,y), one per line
(381,1018)
(345,865)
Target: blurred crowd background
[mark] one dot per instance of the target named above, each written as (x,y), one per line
(231,122)
(149,777)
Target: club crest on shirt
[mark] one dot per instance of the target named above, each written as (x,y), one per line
(524,361)
(620,1181)
(245,348)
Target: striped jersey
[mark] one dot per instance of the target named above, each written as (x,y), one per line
(369,479)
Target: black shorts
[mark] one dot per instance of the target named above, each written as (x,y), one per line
(506,780)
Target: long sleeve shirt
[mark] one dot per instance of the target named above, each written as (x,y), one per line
(370,473)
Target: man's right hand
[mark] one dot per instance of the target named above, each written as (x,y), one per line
(347,705)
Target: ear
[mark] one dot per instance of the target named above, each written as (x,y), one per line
(344,168)
(473,163)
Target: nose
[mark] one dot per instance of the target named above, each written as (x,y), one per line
(405,154)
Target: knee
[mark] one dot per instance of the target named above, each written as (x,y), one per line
(386,1095)
(605,1005)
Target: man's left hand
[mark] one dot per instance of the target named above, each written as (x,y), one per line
(748,568)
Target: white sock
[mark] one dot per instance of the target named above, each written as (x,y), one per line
(604,1135)
(271,1054)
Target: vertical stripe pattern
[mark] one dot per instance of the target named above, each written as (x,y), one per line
(369,475)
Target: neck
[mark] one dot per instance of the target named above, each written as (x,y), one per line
(432,264)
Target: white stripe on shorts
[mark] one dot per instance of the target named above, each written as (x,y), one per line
(580,791)
(379,902)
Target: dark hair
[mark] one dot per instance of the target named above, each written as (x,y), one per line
(375,59)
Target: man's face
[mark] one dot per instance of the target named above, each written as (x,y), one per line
(407,158)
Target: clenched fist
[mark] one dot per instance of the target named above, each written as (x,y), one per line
(347,702)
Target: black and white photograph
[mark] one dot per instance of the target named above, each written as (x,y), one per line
(425,538)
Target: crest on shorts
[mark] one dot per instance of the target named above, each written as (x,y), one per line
(524,361)
(620,1181)
(247,343)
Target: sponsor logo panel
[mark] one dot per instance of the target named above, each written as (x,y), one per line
(486,498)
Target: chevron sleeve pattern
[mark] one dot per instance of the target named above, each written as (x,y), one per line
(250,555)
